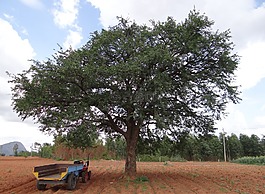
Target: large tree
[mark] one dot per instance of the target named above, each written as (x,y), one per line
(135,80)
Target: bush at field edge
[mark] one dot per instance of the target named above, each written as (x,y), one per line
(260,160)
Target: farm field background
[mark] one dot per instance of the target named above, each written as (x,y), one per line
(172,177)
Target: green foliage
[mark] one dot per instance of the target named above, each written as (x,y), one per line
(177,158)
(141,179)
(80,137)
(251,145)
(24,154)
(210,148)
(58,159)
(116,145)
(187,147)
(46,150)
(177,77)
(251,160)
(202,148)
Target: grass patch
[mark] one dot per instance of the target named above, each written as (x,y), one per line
(127,183)
(222,189)
(163,186)
(194,175)
(240,192)
(141,179)
(144,187)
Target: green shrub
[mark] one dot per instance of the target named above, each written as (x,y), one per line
(141,179)
(106,156)
(58,159)
(177,158)
(251,160)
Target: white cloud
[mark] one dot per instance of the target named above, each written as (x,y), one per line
(143,11)
(260,121)
(252,66)
(14,51)
(236,123)
(24,31)
(235,120)
(14,54)
(66,13)
(73,39)
(140,11)
(65,17)
(36,4)
(8,17)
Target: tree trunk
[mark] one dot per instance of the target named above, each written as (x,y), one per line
(131,140)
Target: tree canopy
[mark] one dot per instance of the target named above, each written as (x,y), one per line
(134,80)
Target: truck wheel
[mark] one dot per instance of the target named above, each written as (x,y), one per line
(84,176)
(71,181)
(41,186)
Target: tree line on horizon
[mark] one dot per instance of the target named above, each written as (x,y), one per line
(196,148)
(188,147)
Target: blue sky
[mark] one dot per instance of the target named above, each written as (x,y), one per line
(37,22)
(31,29)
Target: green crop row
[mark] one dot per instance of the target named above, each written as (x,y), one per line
(251,160)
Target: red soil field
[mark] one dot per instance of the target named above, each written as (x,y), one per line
(172,177)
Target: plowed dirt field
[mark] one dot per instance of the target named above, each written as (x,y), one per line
(183,178)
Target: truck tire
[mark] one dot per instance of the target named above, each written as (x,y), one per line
(84,176)
(41,186)
(71,181)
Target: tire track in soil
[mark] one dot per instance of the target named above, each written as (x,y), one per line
(28,187)
(174,185)
(196,184)
(229,179)
(207,178)
(92,186)
(187,182)
(147,171)
(158,175)
(149,186)
(114,182)
(102,179)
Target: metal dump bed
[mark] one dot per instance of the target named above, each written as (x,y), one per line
(56,172)
(61,174)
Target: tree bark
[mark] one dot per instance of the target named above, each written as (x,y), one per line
(131,140)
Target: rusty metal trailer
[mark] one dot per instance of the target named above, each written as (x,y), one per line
(61,174)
